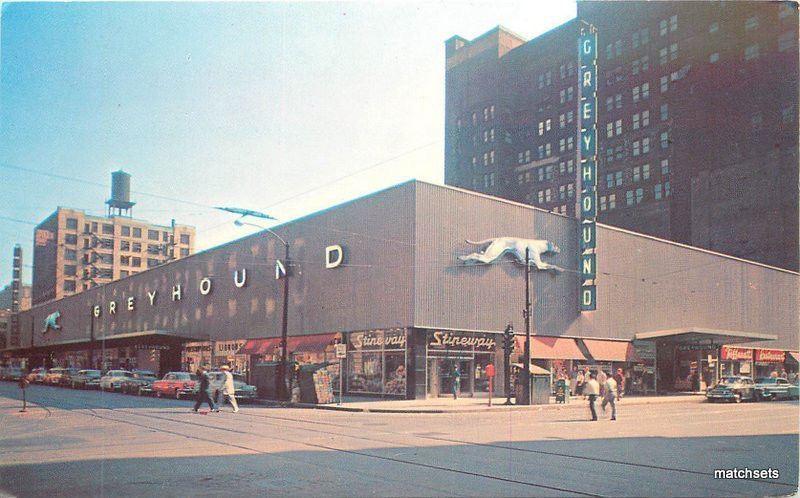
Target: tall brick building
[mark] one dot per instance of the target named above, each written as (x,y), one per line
(697,121)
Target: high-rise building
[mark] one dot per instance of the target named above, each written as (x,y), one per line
(697,121)
(74,251)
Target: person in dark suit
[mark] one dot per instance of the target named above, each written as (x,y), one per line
(204,393)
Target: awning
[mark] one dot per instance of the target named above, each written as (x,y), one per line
(303,343)
(551,348)
(793,356)
(697,335)
(601,350)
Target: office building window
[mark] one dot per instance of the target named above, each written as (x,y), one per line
(106,273)
(645,91)
(70,254)
(153,249)
(646,171)
(107,243)
(664,112)
(72,223)
(87,228)
(107,259)
(618,101)
(664,167)
(152,234)
(637,175)
(751,23)
(548,173)
(635,92)
(570,96)
(639,195)
(602,203)
(562,121)
(751,52)
(662,27)
(184,252)
(609,52)
(673,22)
(662,56)
(645,145)
(636,148)
(125,260)
(609,103)
(125,231)
(562,192)
(635,121)
(562,145)
(108,229)
(609,180)
(610,155)
(570,116)
(657,191)
(609,130)
(713,57)
(713,27)
(629,198)
(123,273)
(620,151)
(137,262)
(124,245)
(618,127)
(612,201)
(548,149)
(571,190)
(548,195)
(787,114)
(71,239)
(70,285)
(70,270)
(666,189)
(136,247)
(541,81)
(137,232)
(645,118)
(151,262)
(673,51)
(570,143)
(87,243)
(541,197)
(664,140)
(541,174)
(664,83)
(570,166)
(541,128)
(618,178)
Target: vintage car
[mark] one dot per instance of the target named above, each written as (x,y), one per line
(37,375)
(243,391)
(175,384)
(85,379)
(732,388)
(53,376)
(114,379)
(66,377)
(141,383)
(772,388)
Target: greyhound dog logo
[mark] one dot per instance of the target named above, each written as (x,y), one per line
(496,247)
(51,322)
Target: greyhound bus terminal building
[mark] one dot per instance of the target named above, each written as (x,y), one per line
(394,277)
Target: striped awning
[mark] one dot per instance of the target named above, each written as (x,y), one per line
(551,348)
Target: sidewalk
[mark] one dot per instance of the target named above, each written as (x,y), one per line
(468,405)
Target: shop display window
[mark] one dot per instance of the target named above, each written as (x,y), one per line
(376,362)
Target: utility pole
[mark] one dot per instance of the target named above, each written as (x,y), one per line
(527,315)
(285,330)
(91,340)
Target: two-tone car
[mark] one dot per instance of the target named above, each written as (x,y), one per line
(37,375)
(176,385)
(114,379)
(86,379)
(734,388)
(53,376)
(66,377)
(772,388)
(141,383)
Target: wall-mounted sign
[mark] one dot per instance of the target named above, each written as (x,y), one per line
(731,353)
(494,248)
(461,341)
(770,355)
(377,340)
(334,255)
(587,175)
(43,237)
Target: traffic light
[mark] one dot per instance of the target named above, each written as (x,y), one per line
(508,338)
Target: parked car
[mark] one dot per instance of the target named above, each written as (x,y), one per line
(793,391)
(12,373)
(141,383)
(37,375)
(66,377)
(772,388)
(732,388)
(244,391)
(86,379)
(175,384)
(114,379)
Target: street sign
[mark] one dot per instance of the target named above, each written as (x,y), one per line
(341,351)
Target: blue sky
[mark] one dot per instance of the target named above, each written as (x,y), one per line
(243,104)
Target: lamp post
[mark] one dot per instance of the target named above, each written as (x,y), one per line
(280,380)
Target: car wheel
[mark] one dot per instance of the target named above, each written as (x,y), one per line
(177,394)
(158,394)
(737,398)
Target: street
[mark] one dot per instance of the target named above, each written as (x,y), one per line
(89,443)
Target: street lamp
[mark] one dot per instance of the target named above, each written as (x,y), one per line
(283,367)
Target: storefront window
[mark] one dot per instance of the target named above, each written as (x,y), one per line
(376,362)
(468,352)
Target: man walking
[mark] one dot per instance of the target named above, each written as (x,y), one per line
(228,389)
(204,393)
(456,375)
(591,389)
(610,396)
(620,378)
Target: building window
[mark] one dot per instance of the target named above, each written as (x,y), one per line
(548,173)
(609,129)
(657,191)
(618,178)
(645,91)
(645,145)
(125,231)
(666,189)
(153,249)
(787,114)
(664,140)
(541,81)
(756,121)
(664,167)
(86,228)
(184,252)
(612,201)
(673,51)
(637,175)
(673,22)
(570,143)
(664,83)
(562,96)
(786,41)
(541,174)
(106,273)
(70,270)
(635,121)
(70,254)
(107,243)
(136,247)
(72,223)
(570,96)
(618,126)
(664,112)
(751,23)
(137,262)
(636,148)
(620,151)
(645,118)
(548,123)
(151,262)
(602,203)
(662,27)
(610,155)
(124,245)
(751,52)
(108,229)
(570,166)
(137,232)
(713,58)
(541,197)
(639,195)
(609,103)
(713,27)
(541,128)
(125,260)
(662,56)
(106,259)
(618,101)
(548,149)
(69,285)
(571,190)
(609,52)
(71,239)
(609,180)
(629,198)
(646,171)
(562,121)
(562,145)
(562,192)
(123,273)
(152,234)
(87,243)
(570,116)
(635,92)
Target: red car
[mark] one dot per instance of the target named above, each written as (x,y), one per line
(175,384)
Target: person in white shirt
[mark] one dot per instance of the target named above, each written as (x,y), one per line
(592,389)
(610,396)
(228,389)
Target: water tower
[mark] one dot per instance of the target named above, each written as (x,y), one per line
(120,203)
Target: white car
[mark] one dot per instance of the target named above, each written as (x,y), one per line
(114,379)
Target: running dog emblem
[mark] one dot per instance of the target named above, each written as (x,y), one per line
(51,322)
(496,247)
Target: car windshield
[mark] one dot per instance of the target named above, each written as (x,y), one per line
(145,375)
(93,373)
(766,380)
(185,376)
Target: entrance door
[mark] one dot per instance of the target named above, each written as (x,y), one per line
(440,376)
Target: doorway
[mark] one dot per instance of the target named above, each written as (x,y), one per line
(440,376)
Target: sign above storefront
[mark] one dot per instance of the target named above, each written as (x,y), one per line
(517,247)
(377,340)
(770,355)
(731,353)
(461,341)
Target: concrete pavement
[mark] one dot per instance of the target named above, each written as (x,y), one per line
(86,443)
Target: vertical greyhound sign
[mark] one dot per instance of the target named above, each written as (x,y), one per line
(587,114)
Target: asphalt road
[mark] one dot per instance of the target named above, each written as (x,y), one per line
(87,443)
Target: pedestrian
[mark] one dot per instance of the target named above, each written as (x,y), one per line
(601,380)
(579,382)
(456,375)
(611,394)
(620,378)
(774,374)
(204,393)
(573,382)
(592,389)
(228,389)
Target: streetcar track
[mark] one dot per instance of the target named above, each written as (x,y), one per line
(313,445)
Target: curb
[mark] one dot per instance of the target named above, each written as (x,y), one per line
(482,409)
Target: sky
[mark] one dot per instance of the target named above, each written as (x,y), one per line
(282,107)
